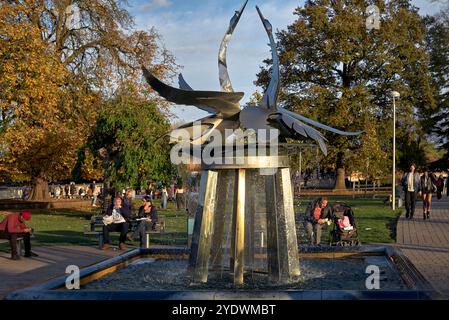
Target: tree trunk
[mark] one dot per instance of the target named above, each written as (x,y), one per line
(40,190)
(340,179)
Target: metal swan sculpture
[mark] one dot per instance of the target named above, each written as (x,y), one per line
(225,107)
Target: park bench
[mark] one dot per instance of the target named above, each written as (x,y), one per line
(20,246)
(96,229)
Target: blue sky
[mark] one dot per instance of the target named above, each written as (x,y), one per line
(193,29)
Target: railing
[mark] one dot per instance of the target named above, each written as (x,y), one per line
(359,191)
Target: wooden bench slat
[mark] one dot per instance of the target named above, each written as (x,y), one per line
(93,232)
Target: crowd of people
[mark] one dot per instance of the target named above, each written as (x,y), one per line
(79,191)
(174,193)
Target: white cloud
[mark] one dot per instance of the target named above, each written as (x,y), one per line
(154,4)
(428,6)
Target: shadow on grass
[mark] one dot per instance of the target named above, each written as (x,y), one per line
(392,225)
(64,237)
(170,238)
(57,238)
(69,213)
(4,247)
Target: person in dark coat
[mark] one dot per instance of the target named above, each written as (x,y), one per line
(12,227)
(94,193)
(148,214)
(447,186)
(427,188)
(440,187)
(318,215)
(411,184)
(128,199)
(116,220)
(180,198)
(72,190)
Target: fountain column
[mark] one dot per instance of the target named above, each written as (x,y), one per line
(203,227)
(239,229)
(217,220)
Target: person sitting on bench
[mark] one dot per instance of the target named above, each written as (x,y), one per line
(148,214)
(13,227)
(116,220)
(318,215)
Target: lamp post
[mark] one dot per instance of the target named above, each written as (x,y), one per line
(300,170)
(395,95)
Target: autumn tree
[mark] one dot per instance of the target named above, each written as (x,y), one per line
(369,159)
(437,41)
(30,88)
(59,60)
(338,72)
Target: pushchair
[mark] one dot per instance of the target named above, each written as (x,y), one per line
(344,230)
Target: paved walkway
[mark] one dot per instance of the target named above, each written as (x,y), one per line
(426,243)
(51,263)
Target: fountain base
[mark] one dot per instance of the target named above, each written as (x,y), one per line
(328,273)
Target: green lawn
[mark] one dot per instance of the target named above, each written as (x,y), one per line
(376,224)
(66,226)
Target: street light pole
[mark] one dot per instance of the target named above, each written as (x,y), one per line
(300,169)
(394,94)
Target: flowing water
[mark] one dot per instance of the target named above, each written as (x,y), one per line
(316,274)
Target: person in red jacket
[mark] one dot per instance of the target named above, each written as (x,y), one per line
(13,227)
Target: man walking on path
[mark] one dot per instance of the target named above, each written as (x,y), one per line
(411,184)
